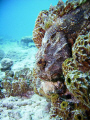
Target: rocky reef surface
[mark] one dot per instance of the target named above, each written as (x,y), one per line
(56,45)
(62,69)
(56,86)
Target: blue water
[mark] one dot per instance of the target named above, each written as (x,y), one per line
(17,17)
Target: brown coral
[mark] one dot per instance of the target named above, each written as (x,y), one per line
(44,21)
(81,52)
(79,115)
(17,84)
(78,84)
(38,32)
(68,65)
(69,21)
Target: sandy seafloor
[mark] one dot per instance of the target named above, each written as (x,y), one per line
(17,108)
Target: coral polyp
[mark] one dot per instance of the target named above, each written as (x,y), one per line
(64,105)
(79,115)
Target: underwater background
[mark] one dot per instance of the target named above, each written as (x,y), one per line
(17,17)
(44,59)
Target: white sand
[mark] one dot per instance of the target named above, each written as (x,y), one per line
(21,56)
(16,108)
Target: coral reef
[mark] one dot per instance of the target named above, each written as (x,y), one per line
(63,57)
(81,52)
(55,99)
(68,65)
(18,83)
(38,32)
(62,70)
(63,17)
(78,84)
(58,40)
(77,76)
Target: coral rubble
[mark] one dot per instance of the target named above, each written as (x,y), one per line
(17,84)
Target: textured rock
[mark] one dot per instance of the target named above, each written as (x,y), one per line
(26,40)
(6,64)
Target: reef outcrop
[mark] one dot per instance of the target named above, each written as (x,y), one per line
(58,39)
(63,59)
(6,64)
(25,41)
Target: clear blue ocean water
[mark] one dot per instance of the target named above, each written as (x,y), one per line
(17,17)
